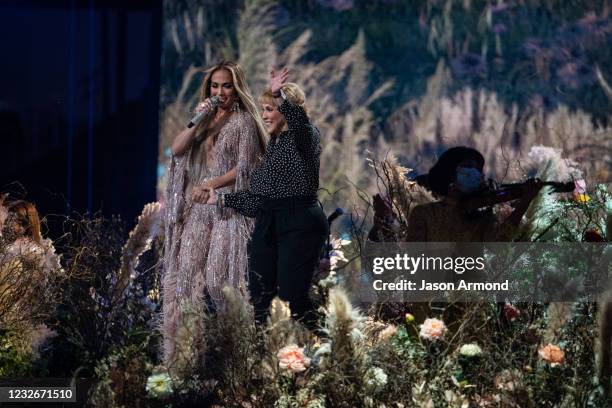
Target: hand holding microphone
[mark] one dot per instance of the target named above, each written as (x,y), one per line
(203,109)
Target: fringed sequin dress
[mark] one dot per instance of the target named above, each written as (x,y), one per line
(205,247)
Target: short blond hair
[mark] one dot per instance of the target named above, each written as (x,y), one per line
(292,91)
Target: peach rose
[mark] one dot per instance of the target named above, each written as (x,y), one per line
(432,329)
(552,354)
(292,358)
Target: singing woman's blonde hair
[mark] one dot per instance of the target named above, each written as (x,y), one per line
(245,98)
(292,91)
(204,129)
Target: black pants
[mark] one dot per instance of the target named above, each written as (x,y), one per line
(283,253)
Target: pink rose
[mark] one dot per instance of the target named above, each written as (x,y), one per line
(432,329)
(292,358)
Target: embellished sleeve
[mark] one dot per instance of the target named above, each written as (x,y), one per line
(304,133)
(174,202)
(249,152)
(245,202)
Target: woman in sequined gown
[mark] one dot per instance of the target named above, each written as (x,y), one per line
(205,247)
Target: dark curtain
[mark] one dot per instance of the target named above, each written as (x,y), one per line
(79,97)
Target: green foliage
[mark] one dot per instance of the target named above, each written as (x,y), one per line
(15,359)
(407,346)
(121,377)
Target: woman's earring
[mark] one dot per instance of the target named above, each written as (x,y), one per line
(236,107)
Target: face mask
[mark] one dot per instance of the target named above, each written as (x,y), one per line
(468,179)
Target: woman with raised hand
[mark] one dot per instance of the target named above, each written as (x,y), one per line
(206,248)
(290,226)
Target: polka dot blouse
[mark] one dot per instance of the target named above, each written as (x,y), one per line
(289,168)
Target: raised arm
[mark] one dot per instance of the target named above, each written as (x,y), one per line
(299,125)
(296,117)
(297,120)
(184,139)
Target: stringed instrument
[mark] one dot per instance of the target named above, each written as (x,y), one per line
(504,193)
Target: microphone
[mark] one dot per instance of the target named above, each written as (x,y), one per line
(200,115)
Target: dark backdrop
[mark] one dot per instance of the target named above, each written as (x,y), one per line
(79,94)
